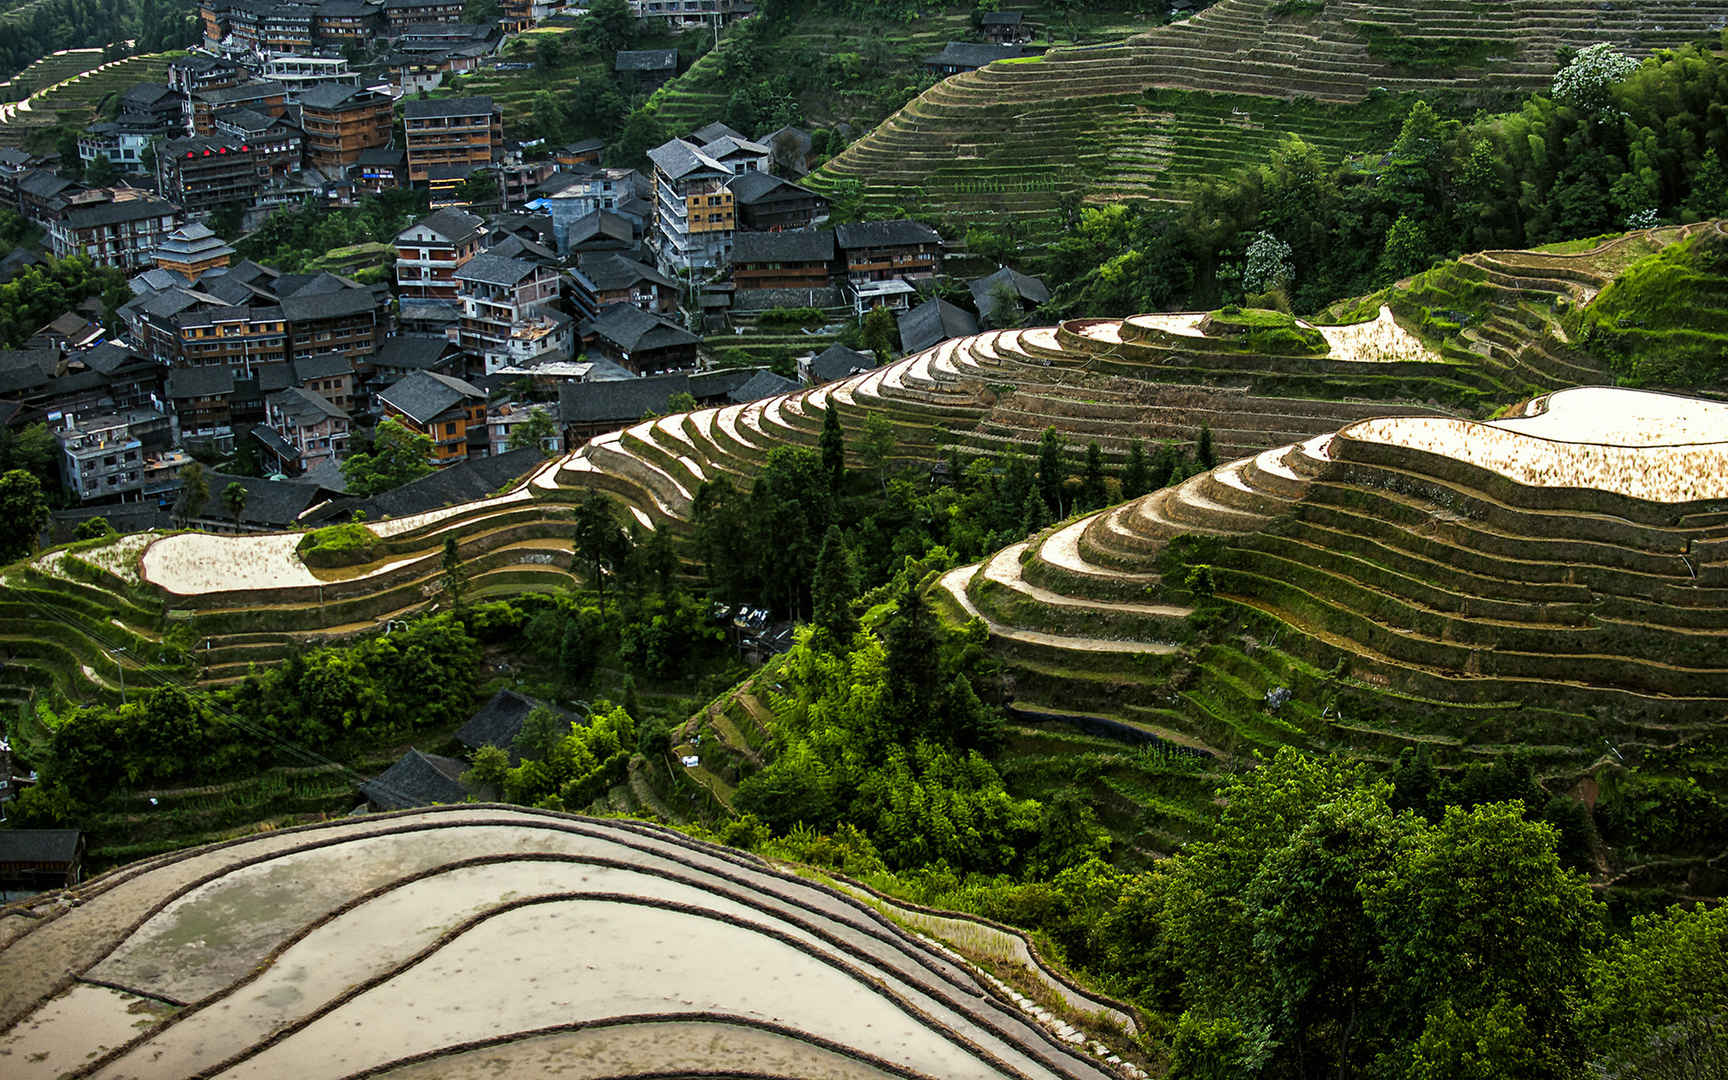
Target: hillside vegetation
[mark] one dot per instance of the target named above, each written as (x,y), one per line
(1016,139)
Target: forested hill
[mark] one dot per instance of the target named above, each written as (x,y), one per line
(31,29)
(1141,118)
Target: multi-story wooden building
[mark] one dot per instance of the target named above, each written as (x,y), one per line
(766,202)
(345,22)
(399,14)
(497,295)
(694,212)
(208,171)
(889,251)
(340,122)
(298,74)
(467,132)
(311,429)
(112,227)
(430,251)
(266,97)
(444,408)
(191,250)
(797,259)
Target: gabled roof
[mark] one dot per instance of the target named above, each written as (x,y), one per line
(336,95)
(118,212)
(493,269)
(763,384)
(449,223)
(646,60)
(45,183)
(619,400)
(754,186)
(792,245)
(383,155)
(417,779)
(609,271)
(678,159)
(837,362)
(424,395)
(322,366)
(727,145)
(305,407)
(419,109)
(196,382)
(1023,286)
(932,322)
(331,304)
(273,503)
(633,330)
(707,133)
(968,54)
(475,478)
(498,722)
(1001,18)
(899,233)
(600,227)
(111,357)
(39,845)
(523,250)
(419,352)
(256,91)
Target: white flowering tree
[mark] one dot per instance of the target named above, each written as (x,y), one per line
(1588,81)
(1268,264)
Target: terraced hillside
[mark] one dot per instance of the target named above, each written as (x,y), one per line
(76,97)
(1017,136)
(415,945)
(1558,579)
(83,619)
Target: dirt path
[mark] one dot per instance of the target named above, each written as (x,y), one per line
(955,582)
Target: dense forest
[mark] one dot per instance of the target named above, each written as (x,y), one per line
(32,30)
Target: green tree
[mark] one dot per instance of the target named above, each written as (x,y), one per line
(1093,490)
(488,773)
(398,455)
(452,574)
(194,493)
(1052,473)
(1203,452)
(834,588)
(913,663)
(599,543)
(100,172)
(1658,997)
(833,445)
(1034,514)
(93,529)
(538,431)
(24,509)
(876,444)
(234,498)
(790,510)
(1136,478)
(881,334)
(480,189)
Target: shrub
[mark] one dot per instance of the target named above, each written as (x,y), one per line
(348,544)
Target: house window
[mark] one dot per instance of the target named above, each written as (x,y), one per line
(450,428)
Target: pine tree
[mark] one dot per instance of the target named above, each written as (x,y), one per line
(1034,515)
(1050,472)
(1093,491)
(454,576)
(1163,466)
(913,661)
(1135,479)
(834,587)
(833,446)
(1203,452)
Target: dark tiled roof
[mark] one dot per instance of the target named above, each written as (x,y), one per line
(763,384)
(308,306)
(868,234)
(624,400)
(434,107)
(1023,286)
(498,722)
(417,780)
(793,245)
(837,362)
(335,95)
(110,357)
(269,378)
(423,395)
(601,226)
(678,158)
(1001,18)
(967,54)
(197,382)
(417,351)
(305,407)
(383,155)
(609,271)
(707,133)
(257,91)
(632,329)
(114,213)
(646,60)
(322,366)
(475,478)
(494,269)
(754,185)
(524,250)
(934,321)
(272,503)
(38,845)
(450,223)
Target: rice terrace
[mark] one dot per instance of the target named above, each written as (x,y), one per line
(864,538)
